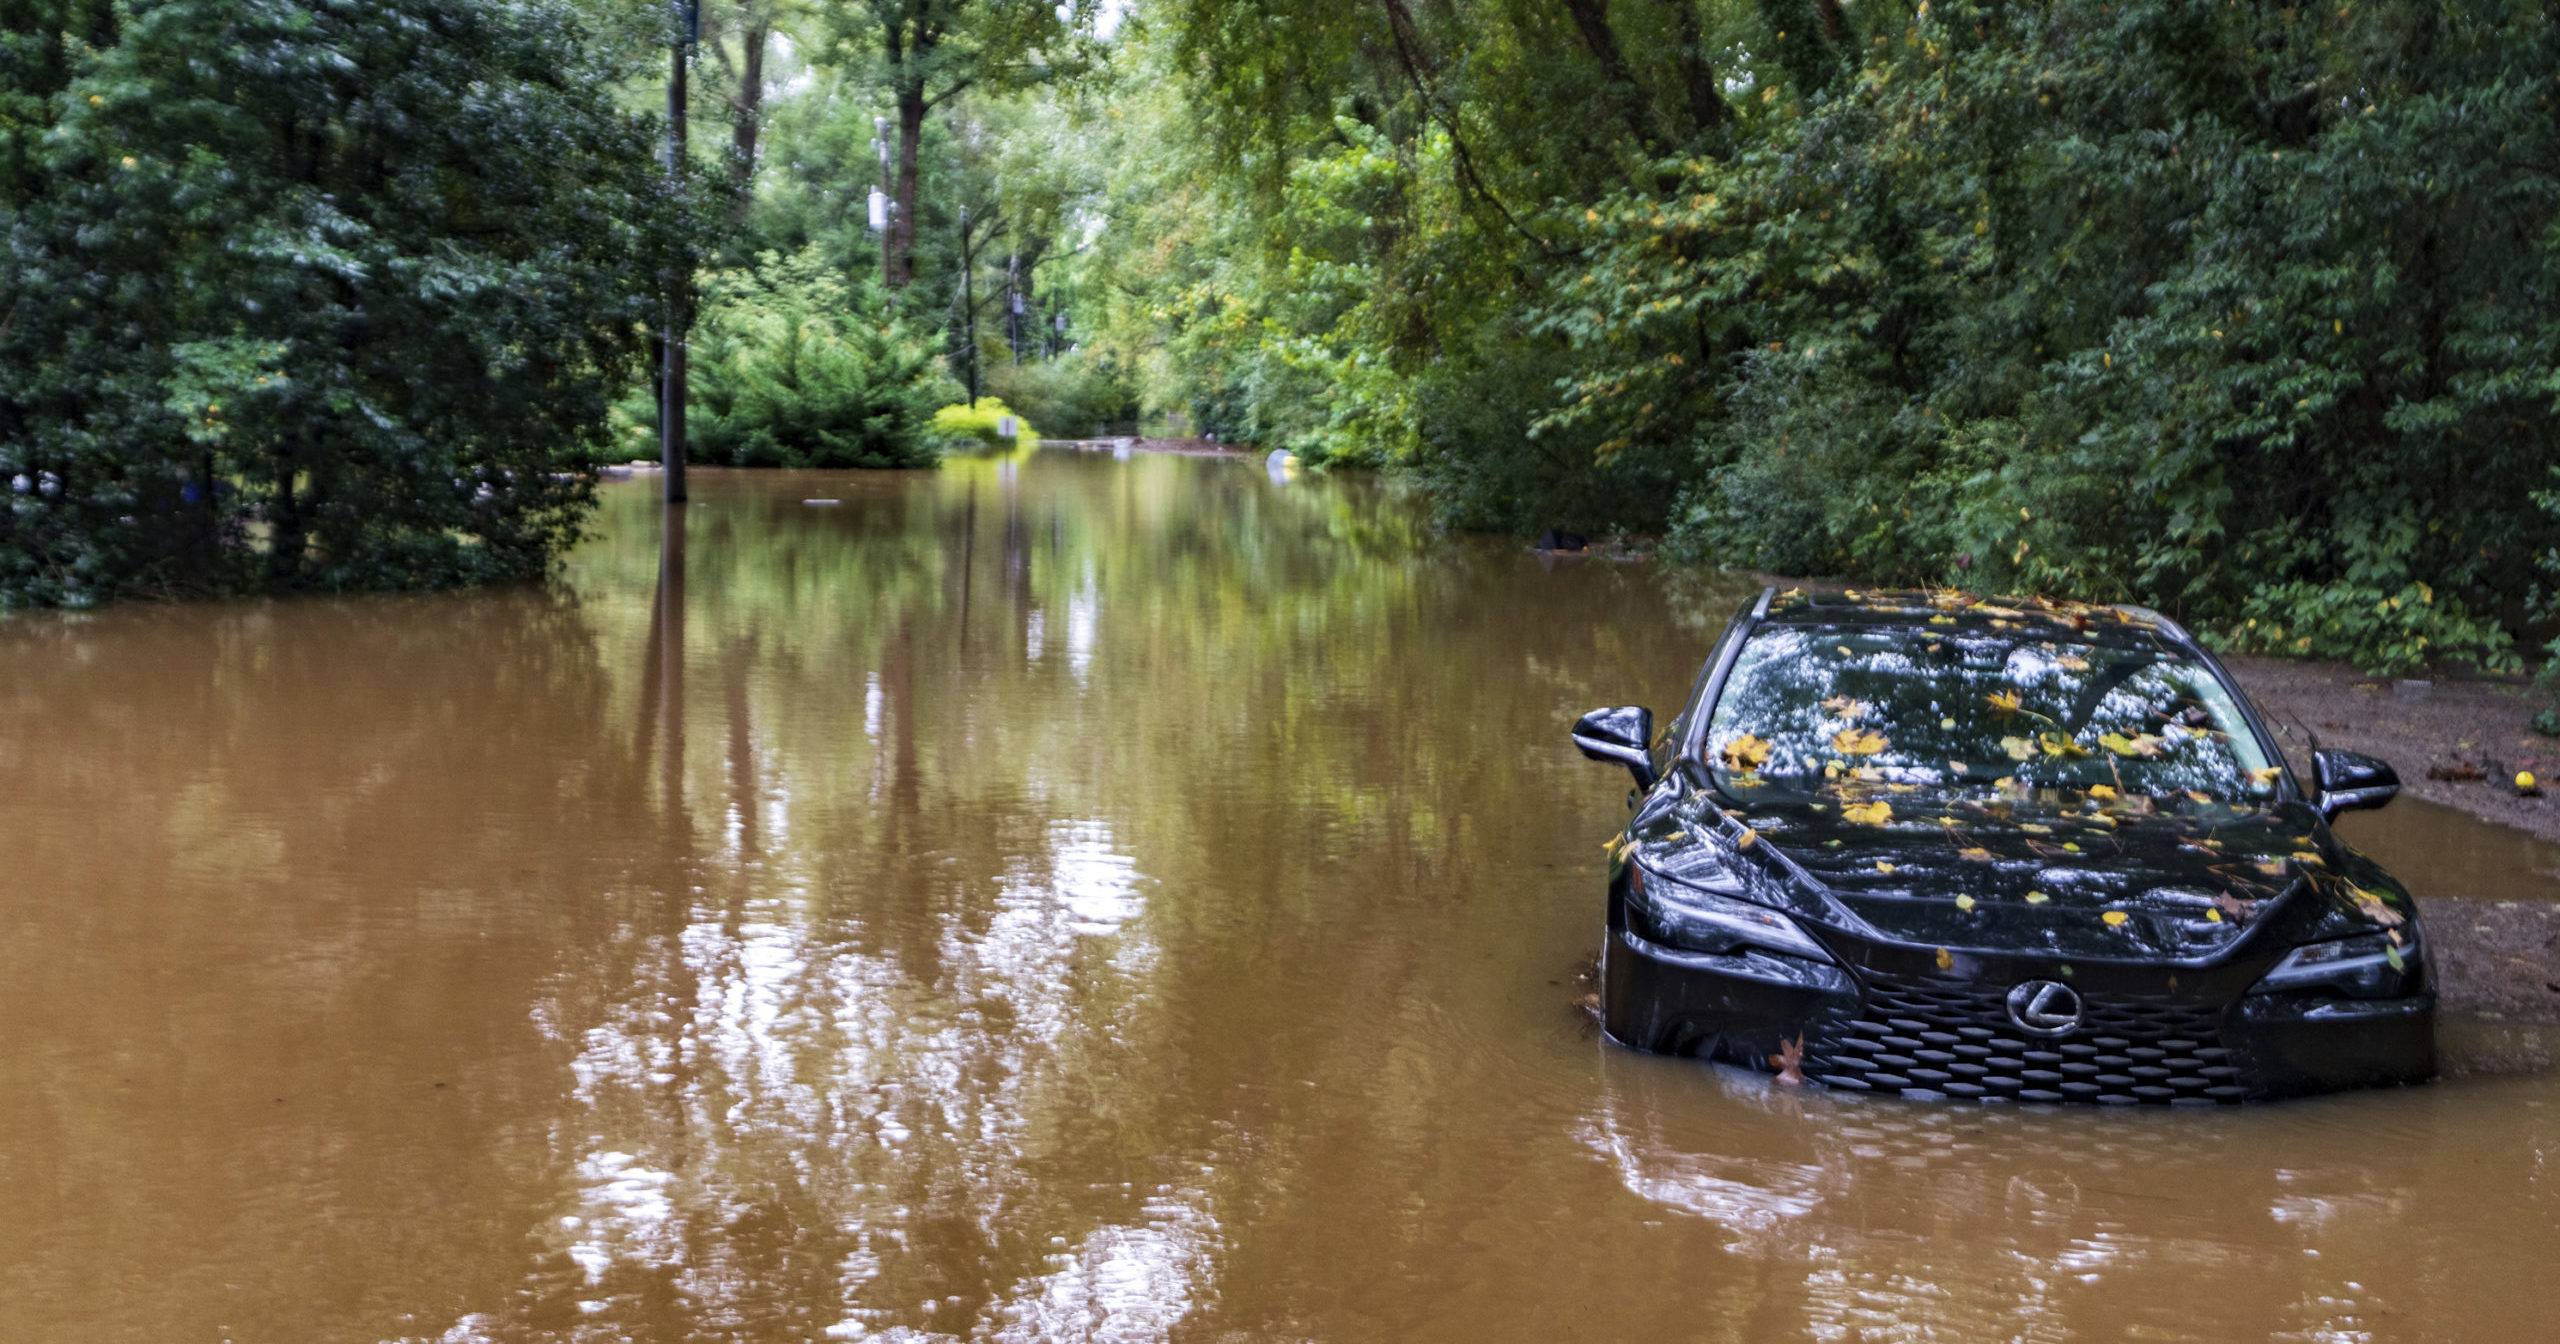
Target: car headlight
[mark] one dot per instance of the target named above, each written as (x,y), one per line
(2367,966)
(1676,914)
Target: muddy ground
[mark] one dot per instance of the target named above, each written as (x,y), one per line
(2455,740)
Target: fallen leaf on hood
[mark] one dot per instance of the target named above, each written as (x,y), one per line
(1946,960)
(1790,1061)
(2037,898)
(2102,792)
(2114,918)
(1964,902)
(2003,703)
(1747,839)
(1883,867)
(2032,828)
(1974,855)
(1746,752)
(1852,742)
(2019,748)
(2271,867)
(2372,907)
(1868,814)
(2306,856)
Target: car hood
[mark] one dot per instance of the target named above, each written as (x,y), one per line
(2180,878)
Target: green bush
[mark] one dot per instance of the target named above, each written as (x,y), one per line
(795,368)
(1076,394)
(964,425)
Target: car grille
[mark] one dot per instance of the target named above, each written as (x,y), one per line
(1936,1039)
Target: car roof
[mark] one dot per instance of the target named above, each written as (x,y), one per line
(1948,611)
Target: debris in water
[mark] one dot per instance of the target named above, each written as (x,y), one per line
(1790,1061)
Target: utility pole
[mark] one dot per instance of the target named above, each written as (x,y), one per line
(1013,303)
(881,205)
(688,17)
(969,302)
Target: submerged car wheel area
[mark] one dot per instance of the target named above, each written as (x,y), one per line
(1948,847)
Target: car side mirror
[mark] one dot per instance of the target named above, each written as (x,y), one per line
(1623,735)
(2348,781)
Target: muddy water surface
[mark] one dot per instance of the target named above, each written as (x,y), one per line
(1045,899)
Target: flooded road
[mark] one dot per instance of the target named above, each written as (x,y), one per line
(1043,899)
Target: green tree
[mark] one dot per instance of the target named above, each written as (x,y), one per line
(2241,312)
(924,53)
(310,295)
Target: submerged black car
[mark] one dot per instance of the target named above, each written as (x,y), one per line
(1947,847)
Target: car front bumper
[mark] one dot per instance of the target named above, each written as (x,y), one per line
(1937,1035)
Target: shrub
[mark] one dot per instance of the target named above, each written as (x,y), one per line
(795,368)
(1077,393)
(963,425)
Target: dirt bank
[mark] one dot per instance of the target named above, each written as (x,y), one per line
(2455,740)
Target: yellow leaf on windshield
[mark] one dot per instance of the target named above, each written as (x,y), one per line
(2019,748)
(1746,752)
(1847,708)
(2114,917)
(2003,703)
(1868,814)
(2102,792)
(1974,855)
(2145,745)
(1855,742)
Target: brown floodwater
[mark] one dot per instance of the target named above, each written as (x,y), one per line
(1054,898)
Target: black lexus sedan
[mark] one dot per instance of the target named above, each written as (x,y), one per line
(1952,847)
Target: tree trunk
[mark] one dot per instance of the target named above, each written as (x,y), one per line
(1591,20)
(900,264)
(750,102)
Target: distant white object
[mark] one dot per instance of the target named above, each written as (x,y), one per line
(879,211)
(1282,464)
(1007,427)
(822,501)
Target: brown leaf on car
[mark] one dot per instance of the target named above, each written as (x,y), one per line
(1790,1061)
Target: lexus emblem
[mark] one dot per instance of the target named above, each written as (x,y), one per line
(2044,1008)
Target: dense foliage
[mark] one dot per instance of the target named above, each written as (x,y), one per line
(310,295)
(2251,313)
(793,367)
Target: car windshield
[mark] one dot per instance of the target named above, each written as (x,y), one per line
(1805,704)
